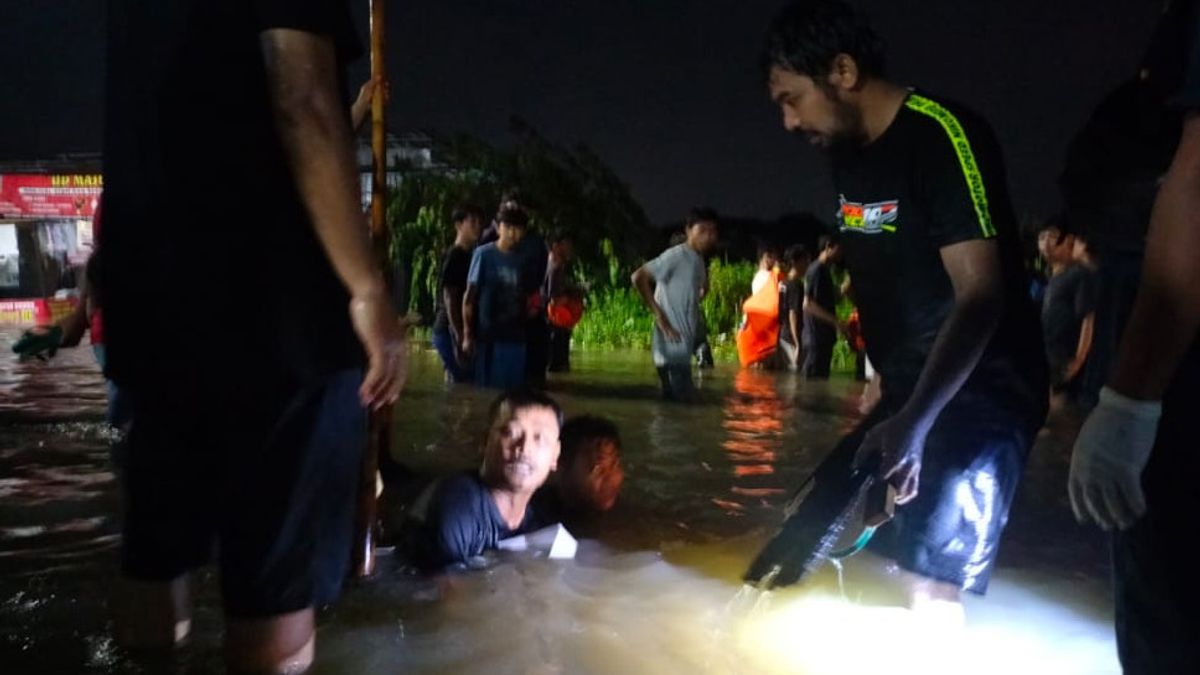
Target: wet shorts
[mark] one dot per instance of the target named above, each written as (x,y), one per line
(973,461)
(266,483)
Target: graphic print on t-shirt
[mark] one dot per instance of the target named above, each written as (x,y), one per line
(868,218)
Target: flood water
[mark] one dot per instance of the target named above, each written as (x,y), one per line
(655,590)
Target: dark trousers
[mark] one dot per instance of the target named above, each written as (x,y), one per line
(560,350)
(537,351)
(1157,597)
(817,357)
(677,382)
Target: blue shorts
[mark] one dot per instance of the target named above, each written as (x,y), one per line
(266,480)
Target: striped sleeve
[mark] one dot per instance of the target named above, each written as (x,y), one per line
(953,177)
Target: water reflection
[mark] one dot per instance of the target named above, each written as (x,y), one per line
(650,593)
(754,419)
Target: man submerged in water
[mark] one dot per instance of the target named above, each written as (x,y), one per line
(589,476)
(928,236)
(470,513)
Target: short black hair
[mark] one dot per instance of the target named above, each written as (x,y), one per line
(464,211)
(700,214)
(806,35)
(796,253)
(828,241)
(513,217)
(517,196)
(557,236)
(520,399)
(580,433)
(765,248)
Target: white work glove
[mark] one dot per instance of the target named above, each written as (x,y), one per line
(1110,454)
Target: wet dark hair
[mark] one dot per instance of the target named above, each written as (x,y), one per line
(464,211)
(700,214)
(795,254)
(513,217)
(580,434)
(764,249)
(516,195)
(520,399)
(806,35)
(557,236)
(828,241)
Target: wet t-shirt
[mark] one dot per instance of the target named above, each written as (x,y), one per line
(462,521)
(933,179)
(679,275)
(818,288)
(502,298)
(1070,297)
(211,268)
(455,266)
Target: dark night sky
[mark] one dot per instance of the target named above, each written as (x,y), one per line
(667,91)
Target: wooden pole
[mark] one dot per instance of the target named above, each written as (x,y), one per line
(379,432)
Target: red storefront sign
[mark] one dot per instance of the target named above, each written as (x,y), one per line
(49,196)
(35,312)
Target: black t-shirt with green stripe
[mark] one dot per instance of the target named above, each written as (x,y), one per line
(934,178)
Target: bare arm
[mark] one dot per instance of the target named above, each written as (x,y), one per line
(362,105)
(1166,314)
(974,271)
(899,442)
(452,298)
(1086,331)
(820,313)
(794,324)
(642,280)
(302,75)
(469,302)
(315,134)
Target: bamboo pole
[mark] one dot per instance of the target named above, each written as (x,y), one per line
(379,432)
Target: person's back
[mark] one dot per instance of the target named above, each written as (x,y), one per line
(204,217)
(232,216)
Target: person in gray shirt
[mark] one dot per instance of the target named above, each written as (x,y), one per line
(672,286)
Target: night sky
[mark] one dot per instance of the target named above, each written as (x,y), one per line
(667,91)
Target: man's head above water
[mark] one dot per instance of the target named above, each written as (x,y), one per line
(522,443)
(591,473)
(819,56)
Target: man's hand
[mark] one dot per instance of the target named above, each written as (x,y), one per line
(668,331)
(468,346)
(383,338)
(900,446)
(1110,453)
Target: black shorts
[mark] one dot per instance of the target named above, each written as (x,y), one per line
(264,480)
(973,460)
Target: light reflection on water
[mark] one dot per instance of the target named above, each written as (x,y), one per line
(656,592)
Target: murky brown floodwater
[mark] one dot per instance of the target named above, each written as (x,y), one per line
(655,592)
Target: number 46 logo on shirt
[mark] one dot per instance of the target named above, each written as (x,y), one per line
(868,218)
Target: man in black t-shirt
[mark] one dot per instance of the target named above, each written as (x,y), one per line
(821,324)
(791,307)
(1068,312)
(1135,462)
(928,235)
(452,285)
(247,400)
